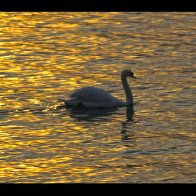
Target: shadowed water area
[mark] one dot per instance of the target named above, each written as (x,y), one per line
(45,56)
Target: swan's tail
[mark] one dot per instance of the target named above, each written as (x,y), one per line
(70,102)
(61,100)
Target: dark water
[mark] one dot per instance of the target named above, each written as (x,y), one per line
(45,56)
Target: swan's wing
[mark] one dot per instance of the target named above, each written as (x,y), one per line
(92,94)
(88,90)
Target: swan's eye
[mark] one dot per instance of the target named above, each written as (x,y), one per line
(131,74)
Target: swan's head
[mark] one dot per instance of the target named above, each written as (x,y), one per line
(128,73)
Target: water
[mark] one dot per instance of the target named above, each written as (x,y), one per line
(45,56)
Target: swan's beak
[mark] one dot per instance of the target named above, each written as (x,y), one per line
(134,77)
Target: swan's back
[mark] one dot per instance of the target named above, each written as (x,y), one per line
(92,94)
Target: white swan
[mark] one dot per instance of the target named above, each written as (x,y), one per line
(91,97)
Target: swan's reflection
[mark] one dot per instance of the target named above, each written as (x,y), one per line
(86,114)
(102,114)
(127,138)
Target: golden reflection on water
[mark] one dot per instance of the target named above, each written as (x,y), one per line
(45,56)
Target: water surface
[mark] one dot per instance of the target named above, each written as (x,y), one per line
(45,56)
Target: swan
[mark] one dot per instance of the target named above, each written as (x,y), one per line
(91,97)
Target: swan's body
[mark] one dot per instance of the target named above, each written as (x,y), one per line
(91,97)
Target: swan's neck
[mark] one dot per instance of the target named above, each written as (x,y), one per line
(128,93)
